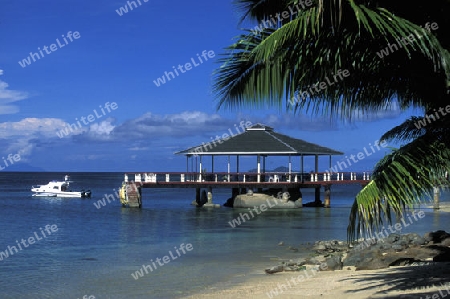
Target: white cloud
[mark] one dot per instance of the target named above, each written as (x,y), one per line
(23,136)
(137,148)
(31,127)
(8,96)
(102,129)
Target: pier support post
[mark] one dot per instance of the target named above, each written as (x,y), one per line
(210,196)
(197,194)
(317,194)
(327,196)
(436,195)
(133,195)
(295,194)
(234,192)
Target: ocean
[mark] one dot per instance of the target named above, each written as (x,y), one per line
(167,249)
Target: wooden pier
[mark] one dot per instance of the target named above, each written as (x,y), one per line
(131,193)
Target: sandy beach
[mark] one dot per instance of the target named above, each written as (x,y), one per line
(418,281)
(395,282)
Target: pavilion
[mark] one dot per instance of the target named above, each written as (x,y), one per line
(261,141)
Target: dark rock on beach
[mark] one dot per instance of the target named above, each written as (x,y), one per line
(437,237)
(334,263)
(394,250)
(275,269)
(398,250)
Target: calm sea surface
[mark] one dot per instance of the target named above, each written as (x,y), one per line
(95,251)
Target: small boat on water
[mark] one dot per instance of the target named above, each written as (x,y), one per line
(59,189)
(44,194)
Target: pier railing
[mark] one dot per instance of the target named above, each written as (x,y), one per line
(244,177)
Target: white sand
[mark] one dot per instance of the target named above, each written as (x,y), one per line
(395,282)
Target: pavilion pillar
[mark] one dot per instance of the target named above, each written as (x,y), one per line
(228,178)
(263,178)
(200,172)
(316,164)
(212,164)
(196,165)
(327,196)
(192,168)
(301,169)
(316,170)
(290,169)
(259,168)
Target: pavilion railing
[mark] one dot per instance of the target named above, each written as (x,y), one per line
(232,177)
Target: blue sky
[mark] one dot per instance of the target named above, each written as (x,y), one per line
(115,59)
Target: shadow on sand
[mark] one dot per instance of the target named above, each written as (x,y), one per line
(407,282)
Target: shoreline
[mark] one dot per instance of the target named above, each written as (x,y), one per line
(408,281)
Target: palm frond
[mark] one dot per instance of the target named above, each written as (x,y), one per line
(401,179)
(272,70)
(409,130)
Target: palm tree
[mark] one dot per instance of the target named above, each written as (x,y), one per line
(285,61)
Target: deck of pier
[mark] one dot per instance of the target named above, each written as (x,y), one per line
(244,180)
(240,182)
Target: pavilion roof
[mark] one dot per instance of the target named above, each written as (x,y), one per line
(259,140)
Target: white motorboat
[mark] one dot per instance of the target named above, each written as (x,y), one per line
(59,189)
(45,194)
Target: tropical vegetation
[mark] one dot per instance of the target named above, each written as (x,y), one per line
(282,62)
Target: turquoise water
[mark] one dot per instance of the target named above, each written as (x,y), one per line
(94,252)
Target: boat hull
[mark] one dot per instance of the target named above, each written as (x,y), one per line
(59,194)
(44,195)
